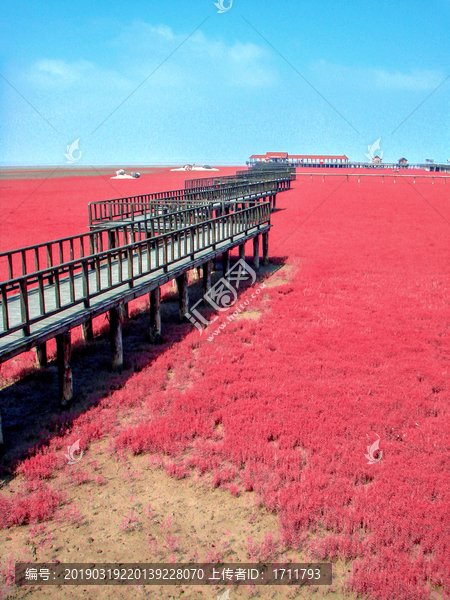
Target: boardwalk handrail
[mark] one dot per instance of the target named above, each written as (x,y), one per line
(123,265)
(56,252)
(205,192)
(120,208)
(239,176)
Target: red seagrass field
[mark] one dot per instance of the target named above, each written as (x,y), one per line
(347,343)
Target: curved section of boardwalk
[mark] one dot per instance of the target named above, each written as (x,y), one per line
(212,192)
(135,246)
(88,286)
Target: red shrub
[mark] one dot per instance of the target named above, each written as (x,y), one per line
(350,344)
(29,507)
(40,466)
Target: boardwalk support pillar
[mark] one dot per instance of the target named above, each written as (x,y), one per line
(274,202)
(87,331)
(242,251)
(225,263)
(41,354)
(207,277)
(265,242)
(63,352)
(183,296)
(155,316)
(115,337)
(1,436)
(256,251)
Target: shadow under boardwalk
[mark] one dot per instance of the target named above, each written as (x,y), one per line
(30,407)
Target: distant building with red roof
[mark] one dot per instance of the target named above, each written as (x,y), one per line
(277,156)
(300,159)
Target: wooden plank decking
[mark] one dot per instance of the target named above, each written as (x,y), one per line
(88,286)
(135,245)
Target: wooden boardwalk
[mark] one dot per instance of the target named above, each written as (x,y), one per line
(88,286)
(218,193)
(135,246)
(49,302)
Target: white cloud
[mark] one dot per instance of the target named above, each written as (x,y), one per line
(198,62)
(419,79)
(163,31)
(377,78)
(48,73)
(246,53)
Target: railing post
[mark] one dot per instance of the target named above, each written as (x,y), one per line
(155,316)
(93,247)
(24,307)
(85,278)
(5,315)
(63,351)
(130,266)
(49,262)
(164,253)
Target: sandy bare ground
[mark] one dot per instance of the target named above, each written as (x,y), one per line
(139,514)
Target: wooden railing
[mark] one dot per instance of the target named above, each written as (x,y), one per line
(239,177)
(104,212)
(31,259)
(47,291)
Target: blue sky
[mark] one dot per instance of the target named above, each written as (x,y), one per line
(302,77)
